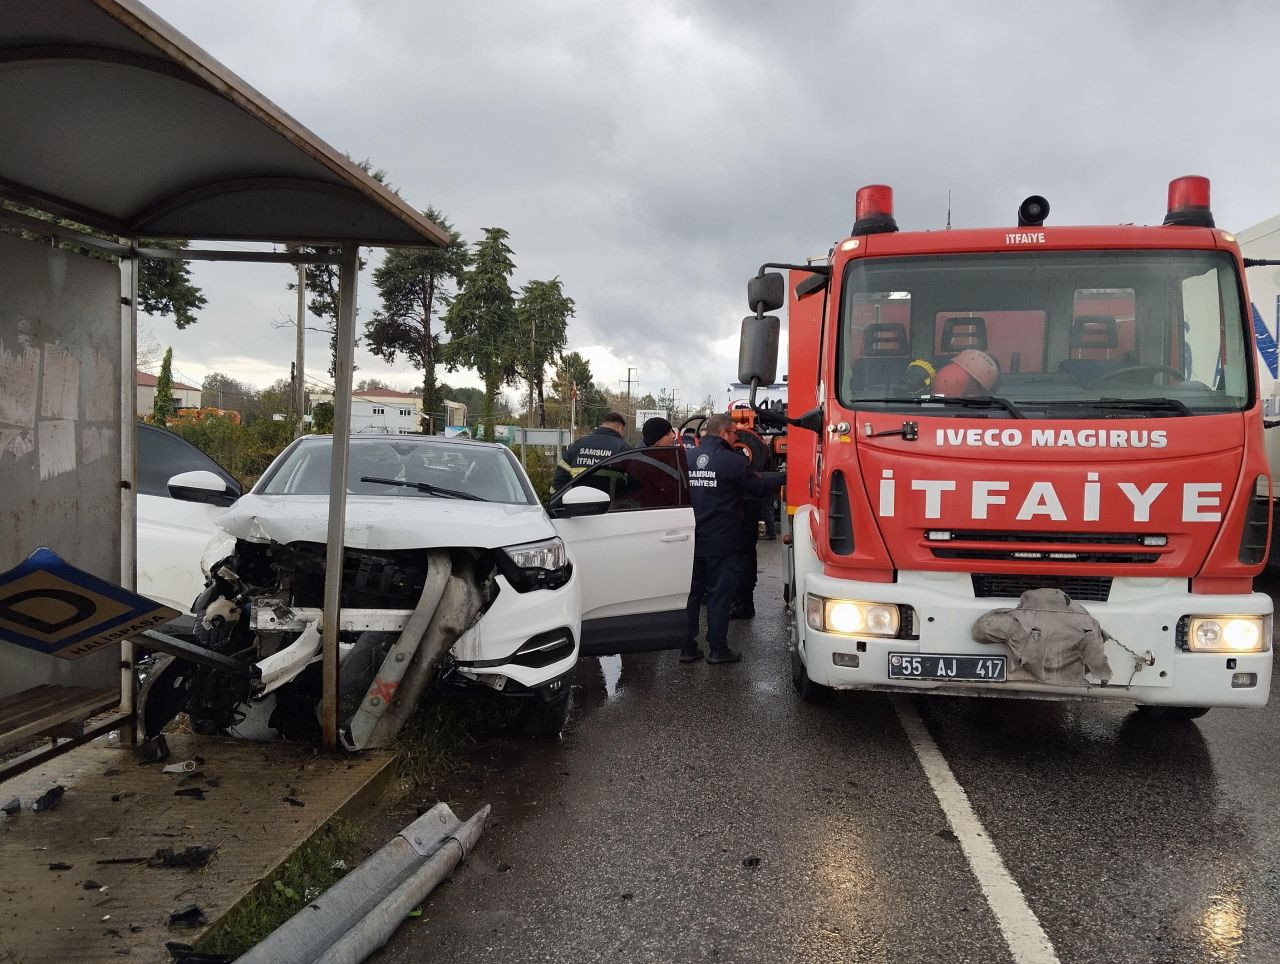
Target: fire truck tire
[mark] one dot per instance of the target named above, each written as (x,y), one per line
(1172,714)
(806,689)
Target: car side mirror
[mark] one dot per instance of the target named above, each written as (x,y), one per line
(201,486)
(580,500)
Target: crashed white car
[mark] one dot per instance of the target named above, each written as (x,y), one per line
(454,575)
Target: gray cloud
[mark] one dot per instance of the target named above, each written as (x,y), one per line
(653,155)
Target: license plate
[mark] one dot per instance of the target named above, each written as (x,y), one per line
(974,669)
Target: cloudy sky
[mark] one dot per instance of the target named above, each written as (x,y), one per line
(653,154)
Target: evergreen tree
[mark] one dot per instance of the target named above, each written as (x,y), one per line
(414,285)
(481,321)
(543,313)
(162,405)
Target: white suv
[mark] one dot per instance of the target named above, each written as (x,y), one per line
(606,571)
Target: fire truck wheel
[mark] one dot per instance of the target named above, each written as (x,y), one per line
(806,689)
(1171,714)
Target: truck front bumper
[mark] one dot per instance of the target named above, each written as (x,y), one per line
(1143,614)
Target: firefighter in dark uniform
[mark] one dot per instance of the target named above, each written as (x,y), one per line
(605,441)
(719,481)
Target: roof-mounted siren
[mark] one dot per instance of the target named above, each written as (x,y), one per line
(1032,212)
(873,210)
(1189,202)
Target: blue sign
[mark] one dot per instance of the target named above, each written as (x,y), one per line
(49,605)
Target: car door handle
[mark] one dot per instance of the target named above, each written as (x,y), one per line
(674,537)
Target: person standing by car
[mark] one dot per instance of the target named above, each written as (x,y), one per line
(658,431)
(606,440)
(719,481)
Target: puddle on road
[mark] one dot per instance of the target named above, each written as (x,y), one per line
(611,667)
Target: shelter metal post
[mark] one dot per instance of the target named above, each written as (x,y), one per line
(128,475)
(300,383)
(349,269)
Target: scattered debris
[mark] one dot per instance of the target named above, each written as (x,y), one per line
(194,856)
(49,799)
(293,801)
(186,766)
(195,792)
(12,808)
(136,928)
(503,868)
(155,750)
(750,862)
(115,797)
(628,896)
(123,860)
(189,916)
(185,954)
(91,885)
(59,865)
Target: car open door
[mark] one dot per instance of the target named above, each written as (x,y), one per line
(629,527)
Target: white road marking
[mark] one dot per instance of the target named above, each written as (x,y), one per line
(1027,941)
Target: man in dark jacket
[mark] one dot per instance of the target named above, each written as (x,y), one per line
(719,481)
(606,440)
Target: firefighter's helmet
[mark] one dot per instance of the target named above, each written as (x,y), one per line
(972,372)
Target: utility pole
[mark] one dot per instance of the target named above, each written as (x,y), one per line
(573,411)
(631,409)
(300,382)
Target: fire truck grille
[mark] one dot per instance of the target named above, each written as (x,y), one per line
(1078,538)
(1073,548)
(1004,586)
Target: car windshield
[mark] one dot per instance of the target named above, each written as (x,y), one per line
(1052,332)
(402,468)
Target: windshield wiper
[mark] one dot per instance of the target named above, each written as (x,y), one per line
(1158,404)
(1171,405)
(426,487)
(960,401)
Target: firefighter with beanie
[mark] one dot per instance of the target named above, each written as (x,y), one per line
(604,441)
(658,431)
(719,481)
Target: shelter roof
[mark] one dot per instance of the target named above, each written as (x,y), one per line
(118,121)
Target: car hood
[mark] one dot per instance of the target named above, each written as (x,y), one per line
(387,522)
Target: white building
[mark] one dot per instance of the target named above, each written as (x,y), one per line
(380,411)
(184,396)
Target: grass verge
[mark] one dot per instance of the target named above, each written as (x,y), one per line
(312,869)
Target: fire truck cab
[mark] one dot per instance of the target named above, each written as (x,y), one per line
(1030,461)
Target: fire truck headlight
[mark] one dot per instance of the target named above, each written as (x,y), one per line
(850,617)
(1229,634)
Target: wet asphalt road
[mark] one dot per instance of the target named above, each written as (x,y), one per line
(703,813)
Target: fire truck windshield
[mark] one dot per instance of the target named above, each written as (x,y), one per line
(1057,333)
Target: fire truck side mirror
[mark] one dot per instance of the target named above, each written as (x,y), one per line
(770,288)
(758,350)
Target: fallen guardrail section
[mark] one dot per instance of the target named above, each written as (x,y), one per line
(358,915)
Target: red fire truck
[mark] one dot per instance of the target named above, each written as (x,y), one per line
(1024,461)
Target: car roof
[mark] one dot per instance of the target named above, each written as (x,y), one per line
(422,439)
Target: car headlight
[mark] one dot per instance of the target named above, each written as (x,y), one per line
(849,617)
(547,554)
(1229,634)
(536,565)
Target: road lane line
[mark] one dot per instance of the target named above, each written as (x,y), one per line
(1027,941)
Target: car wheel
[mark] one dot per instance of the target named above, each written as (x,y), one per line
(1171,714)
(543,720)
(806,689)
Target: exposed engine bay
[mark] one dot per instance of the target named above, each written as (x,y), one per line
(402,611)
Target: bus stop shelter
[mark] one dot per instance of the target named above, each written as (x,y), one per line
(117,123)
